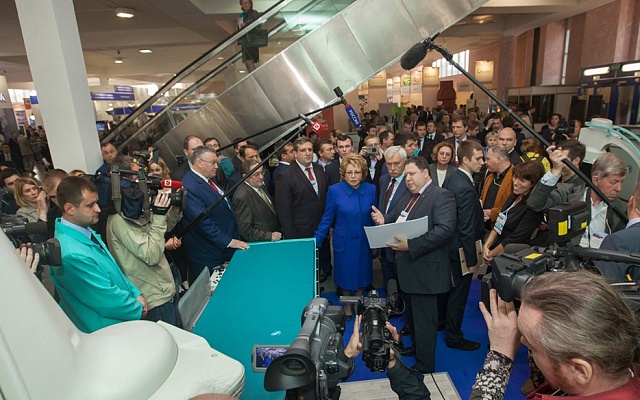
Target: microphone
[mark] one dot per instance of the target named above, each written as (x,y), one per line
(351,113)
(27,228)
(155,182)
(414,56)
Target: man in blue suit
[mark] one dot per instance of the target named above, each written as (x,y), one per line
(469,230)
(213,240)
(392,188)
(625,241)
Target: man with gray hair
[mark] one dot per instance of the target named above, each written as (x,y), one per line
(582,334)
(607,174)
(497,185)
(392,188)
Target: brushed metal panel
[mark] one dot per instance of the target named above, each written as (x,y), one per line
(292,82)
(435,16)
(337,55)
(383,28)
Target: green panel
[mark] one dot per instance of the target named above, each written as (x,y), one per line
(260,301)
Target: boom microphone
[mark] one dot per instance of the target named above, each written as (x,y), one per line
(414,55)
(157,182)
(24,228)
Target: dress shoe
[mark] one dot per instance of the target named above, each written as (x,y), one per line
(405,330)
(324,276)
(408,351)
(464,344)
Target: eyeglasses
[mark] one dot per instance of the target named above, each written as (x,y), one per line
(209,162)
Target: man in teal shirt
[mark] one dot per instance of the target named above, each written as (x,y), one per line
(94,293)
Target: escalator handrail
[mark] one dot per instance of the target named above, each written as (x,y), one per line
(195,64)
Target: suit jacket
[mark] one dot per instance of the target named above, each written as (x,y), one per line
(16,160)
(375,181)
(298,206)
(625,241)
(393,201)
(333,172)
(206,243)
(424,269)
(179,173)
(470,226)
(255,219)
(427,149)
(452,140)
(94,292)
(506,188)
(433,172)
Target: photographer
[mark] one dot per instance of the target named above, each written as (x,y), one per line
(582,334)
(138,247)
(406,383)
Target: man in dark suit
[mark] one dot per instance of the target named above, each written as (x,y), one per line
(392,189)
(375,161)
(459,126)
(9,158)
(301,192)
(423,262)
(469,230)
(189,144)
(344,146)
(507,140)
(625,241)
(425,144)
(213,240)
(248,152)
(237,160)
(255,211)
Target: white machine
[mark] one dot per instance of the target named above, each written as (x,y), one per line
(600,136)
(44,356)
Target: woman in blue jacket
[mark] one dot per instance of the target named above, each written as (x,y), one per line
(348,210)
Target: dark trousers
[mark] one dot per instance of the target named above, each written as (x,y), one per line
(388,268)
(456,303)
(423,322)
(324,257)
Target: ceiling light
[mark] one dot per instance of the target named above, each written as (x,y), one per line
(220,58)
(242,71)
(596,71)
(145,51)
(124,12)
(631,67)
(118,60)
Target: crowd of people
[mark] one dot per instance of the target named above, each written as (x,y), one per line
(482,185)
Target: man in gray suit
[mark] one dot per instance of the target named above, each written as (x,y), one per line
(254,208)
(423,262)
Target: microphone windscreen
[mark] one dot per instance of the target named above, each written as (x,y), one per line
(171,184)
(35,228)
(413,56)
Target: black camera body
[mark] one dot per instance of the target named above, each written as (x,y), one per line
(17,230)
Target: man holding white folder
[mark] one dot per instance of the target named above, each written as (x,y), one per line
(423,262)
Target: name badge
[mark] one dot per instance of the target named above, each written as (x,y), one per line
(500,222)
(596,238)
(403,216)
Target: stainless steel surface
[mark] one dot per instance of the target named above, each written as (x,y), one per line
(345,51)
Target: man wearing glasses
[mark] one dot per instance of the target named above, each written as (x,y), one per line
(212,242)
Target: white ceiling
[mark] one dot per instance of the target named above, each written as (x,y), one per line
(178,31)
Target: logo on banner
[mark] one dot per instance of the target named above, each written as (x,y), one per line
(2,98)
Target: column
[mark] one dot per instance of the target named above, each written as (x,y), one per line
(52,41)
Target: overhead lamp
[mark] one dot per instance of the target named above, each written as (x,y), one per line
(145,51)
(118,60)
(124,12)
(596,71)
(220,58)
(242,71)
(631,67)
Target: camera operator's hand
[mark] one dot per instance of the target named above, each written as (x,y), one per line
(161,204)
(142,301)
(395,336)
(502,323)
(42,203)
(354,347)
(556,156)
(377,216)
(27,256)
(173,243)
(363,151)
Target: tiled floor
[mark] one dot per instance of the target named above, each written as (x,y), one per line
(438,384)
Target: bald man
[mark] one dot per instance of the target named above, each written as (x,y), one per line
(507,140)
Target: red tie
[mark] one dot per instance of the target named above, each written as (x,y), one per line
(387,195)
(213,186)
(308,169)
(412,202)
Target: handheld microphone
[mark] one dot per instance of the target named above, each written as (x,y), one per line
(156,182)
(353,116)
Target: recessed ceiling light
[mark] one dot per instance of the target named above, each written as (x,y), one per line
(220,58)
(118,60)
(124,12)
(242,71)
(145,51)
(596,71)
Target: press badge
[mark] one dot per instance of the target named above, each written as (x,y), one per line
(403,216)
(499,226)
(596,238)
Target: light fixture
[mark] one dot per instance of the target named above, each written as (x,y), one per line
(242,71)
(220,58)
(118,60)
(596,71)
(124,12)
(631,67)
(145,51)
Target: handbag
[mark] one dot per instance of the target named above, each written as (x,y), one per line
(255,38)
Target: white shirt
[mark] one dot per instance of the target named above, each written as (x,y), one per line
(314,182)
(395,188)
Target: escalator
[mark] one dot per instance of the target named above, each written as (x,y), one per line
(314,46)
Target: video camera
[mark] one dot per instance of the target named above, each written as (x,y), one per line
(315,362)
(16,228)
(511,271)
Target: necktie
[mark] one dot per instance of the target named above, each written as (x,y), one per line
(387,195)
(215,187)
(421,143)
(412,202)
(266,199)
(309,175)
